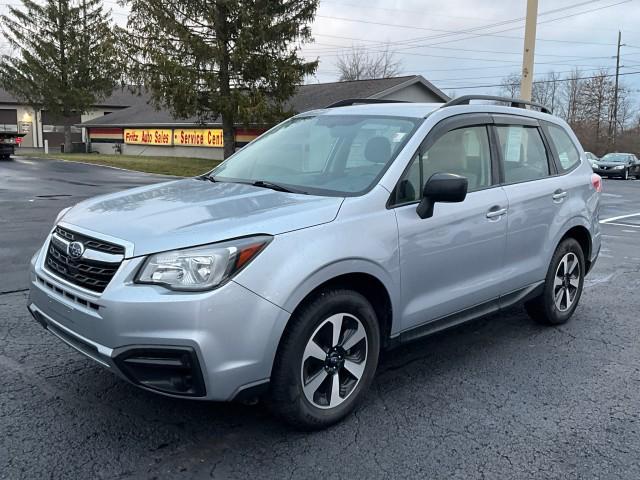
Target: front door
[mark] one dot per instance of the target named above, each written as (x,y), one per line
(453,260)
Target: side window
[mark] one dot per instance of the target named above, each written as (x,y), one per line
(464,151)
(523,153)
(567,152)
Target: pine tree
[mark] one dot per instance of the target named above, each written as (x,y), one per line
(64,57)
(235,59)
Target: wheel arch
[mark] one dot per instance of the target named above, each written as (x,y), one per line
(582,235)
(366,280)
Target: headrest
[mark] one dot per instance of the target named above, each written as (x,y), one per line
(378,150)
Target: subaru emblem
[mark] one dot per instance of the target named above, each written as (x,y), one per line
(75,249)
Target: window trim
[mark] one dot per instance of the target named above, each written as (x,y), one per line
(443,127)
(525,122)
(556,155)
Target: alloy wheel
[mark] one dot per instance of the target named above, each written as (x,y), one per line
(334,360)
(566,282)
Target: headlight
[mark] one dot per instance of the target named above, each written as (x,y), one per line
(62,213)
(201,268)
(618,167)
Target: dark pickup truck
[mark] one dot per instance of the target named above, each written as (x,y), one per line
(8,142)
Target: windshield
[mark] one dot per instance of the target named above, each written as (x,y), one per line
(325,154)
(616,157)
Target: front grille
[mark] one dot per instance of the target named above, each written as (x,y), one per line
(90,274)
(91,243)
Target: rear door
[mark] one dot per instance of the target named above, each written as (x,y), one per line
(535,192)
(453,260)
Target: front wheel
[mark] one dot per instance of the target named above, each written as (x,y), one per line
(326,360)
(563,286)
(626,174)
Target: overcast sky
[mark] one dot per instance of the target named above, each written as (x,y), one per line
(426,36)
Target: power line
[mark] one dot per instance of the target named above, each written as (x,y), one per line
(542,22)
(480,59)
(472,50)
(559,80)
(457,32)
(411,42)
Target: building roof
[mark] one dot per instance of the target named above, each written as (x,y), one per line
(308,97)
(319,95)
(120,98)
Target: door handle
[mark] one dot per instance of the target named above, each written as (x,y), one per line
(559,195)
(496,212)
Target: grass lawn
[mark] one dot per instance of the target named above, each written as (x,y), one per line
(178,166)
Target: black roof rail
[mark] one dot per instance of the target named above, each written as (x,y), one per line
(361,101)
(514,102)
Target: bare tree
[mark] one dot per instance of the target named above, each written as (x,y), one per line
(625,108)
(361,64)
(511,86)
(597,92)
(573,96)
(546,91)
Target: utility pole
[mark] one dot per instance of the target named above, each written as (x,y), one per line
(613,130)
(526,84)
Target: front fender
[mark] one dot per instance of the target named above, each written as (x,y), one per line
(296,263)
(338,268)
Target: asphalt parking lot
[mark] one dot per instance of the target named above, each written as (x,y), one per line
(501,398)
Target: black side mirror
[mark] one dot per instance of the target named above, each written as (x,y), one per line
(442,187)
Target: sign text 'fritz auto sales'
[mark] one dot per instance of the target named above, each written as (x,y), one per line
(193,137)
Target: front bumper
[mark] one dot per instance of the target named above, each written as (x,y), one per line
(230,334)
(609,173)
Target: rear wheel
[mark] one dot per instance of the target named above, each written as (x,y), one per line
(563,286)
(326,360)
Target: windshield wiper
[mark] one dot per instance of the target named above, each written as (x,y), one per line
(275,186)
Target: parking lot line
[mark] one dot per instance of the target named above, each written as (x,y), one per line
(613,219)
(622,224)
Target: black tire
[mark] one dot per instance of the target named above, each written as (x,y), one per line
(544,309)
(287,398)
(626,174)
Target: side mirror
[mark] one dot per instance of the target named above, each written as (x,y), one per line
(442,187)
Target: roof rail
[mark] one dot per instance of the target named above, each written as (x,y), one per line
(514,102)
(361,101)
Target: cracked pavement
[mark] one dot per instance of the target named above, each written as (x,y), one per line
(500,398)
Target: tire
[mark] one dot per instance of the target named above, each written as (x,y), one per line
(301,383)
(546,309)
(626,174)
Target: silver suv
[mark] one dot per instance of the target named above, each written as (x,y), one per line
(341,232)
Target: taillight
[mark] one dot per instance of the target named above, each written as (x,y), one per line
(596,181)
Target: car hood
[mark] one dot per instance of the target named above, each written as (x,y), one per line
(190,212)
(610,164)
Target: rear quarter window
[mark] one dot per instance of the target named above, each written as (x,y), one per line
(568,154)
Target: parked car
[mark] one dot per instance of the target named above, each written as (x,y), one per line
(341,232)
(593,159)
(621,165)
(8,141)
